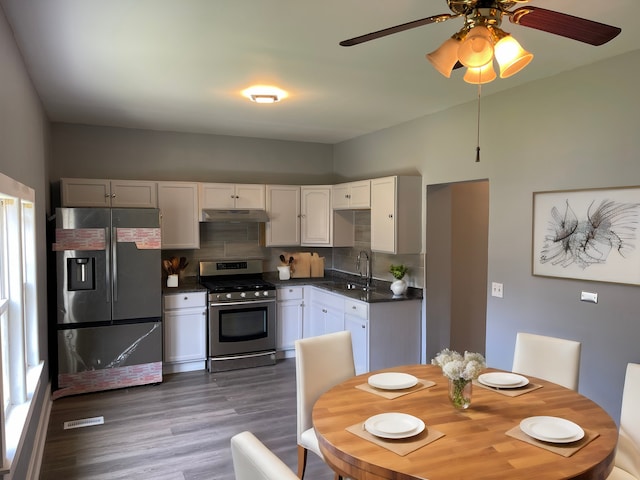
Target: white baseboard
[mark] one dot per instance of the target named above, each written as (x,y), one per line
(168,368)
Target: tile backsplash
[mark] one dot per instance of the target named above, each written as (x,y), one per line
(234,241)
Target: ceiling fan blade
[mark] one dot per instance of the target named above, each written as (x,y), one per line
(576,28)
(398,28)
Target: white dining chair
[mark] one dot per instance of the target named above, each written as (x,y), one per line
(554,359)
(627,461)
(321,363)
(252,460)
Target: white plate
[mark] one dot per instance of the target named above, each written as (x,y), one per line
(392,380)
(394,425)
(503,380)
(551,429)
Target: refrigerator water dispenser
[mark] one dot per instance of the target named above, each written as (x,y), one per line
(80,273)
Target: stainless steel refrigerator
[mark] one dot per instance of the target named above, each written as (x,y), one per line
(109,298)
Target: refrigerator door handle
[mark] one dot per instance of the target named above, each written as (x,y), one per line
(114,262)
(107,270)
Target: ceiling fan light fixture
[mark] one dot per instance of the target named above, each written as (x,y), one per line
(480,75)
(511,57)
(445,56)
(476,49)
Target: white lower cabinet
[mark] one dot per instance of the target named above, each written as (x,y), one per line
(326,314)
(185,331)
(359,328)
(289,317)
(383,334)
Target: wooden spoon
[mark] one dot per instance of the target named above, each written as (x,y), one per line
(167,266)
(175,264)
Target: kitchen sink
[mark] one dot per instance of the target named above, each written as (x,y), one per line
(355,286)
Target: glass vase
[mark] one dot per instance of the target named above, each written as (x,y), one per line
(460,392)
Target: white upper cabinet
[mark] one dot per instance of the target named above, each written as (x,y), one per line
(352,195)
(232,195)
(283,210)
(316,223)
(90,192)
(395,214)
(178,203)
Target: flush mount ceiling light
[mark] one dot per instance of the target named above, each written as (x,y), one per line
(481,40)
(264,98)
(264,94)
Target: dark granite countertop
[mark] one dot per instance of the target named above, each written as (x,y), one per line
(185,285)
(336,282)
(333,281)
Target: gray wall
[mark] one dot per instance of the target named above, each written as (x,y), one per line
(23,156)
(119,153)
(575,130)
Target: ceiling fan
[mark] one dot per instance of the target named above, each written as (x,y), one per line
(481,39)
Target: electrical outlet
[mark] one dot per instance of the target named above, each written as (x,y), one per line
(589,297)
(496,290)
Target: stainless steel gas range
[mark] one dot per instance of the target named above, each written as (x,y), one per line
(242,315)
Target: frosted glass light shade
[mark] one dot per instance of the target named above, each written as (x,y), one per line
(476,49)
(480,75)
(445,56)
(511,56)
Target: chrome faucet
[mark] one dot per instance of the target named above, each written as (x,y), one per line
(367,264)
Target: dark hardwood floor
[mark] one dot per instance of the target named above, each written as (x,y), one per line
(177,430)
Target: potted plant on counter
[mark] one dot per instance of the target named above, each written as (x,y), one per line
(399,287)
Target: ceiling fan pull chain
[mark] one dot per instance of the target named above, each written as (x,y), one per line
(478,132)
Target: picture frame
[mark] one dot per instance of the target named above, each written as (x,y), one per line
(591,234)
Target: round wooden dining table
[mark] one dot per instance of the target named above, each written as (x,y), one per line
(473,443)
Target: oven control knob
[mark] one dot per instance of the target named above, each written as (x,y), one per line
(265,294)
(228,295)
(257,294)
(243,294)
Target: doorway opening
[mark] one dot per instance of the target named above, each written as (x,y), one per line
(457,230)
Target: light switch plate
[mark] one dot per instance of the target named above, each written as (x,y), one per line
(496,289)
(589,297)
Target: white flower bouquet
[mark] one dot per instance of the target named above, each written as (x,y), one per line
(456,366)
(460,370)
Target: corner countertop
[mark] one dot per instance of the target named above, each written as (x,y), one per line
(333,281)
(336,282)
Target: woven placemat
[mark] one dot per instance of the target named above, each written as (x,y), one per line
(391,394)
(510,392)
(401,446)
(564,449)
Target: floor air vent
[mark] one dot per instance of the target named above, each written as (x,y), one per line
(84,422)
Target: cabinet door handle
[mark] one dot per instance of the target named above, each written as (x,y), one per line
(324,310)
(390,215)
(186,298)
(113,195)
(364,326)
(106,195)
(353,307)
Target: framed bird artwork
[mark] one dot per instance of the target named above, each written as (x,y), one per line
(591,234)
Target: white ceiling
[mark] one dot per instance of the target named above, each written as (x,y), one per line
(180,64)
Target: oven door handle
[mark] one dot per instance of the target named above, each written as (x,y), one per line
(244,302)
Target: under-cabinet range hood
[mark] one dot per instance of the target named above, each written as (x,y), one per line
(237,216)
